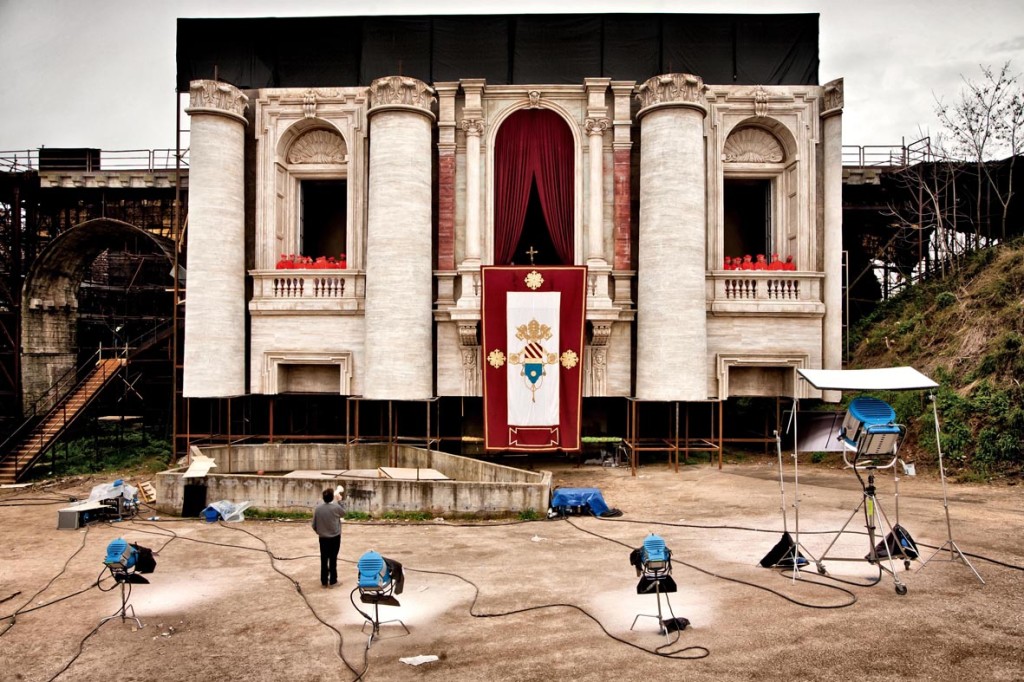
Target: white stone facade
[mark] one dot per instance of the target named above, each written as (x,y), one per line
(653,162)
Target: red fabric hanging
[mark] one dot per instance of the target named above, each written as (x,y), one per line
(533,145)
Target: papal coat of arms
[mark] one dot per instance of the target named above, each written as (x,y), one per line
(533,356)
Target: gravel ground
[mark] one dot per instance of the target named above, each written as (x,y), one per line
(219,607)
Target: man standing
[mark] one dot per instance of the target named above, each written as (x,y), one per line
(327,524)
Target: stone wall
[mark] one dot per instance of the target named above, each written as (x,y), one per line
(476,486)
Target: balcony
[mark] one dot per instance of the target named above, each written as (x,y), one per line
(316,292)
(765,292)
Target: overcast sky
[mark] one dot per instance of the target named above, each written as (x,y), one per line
(100,73)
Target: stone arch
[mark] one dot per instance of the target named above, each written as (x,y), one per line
(761,130)
(305,129)
(494,125)
(49,305)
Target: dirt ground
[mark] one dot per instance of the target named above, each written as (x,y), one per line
(218,606)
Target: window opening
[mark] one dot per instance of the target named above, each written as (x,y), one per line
(323,218)
(748,218)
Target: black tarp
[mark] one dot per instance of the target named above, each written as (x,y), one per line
(748,49)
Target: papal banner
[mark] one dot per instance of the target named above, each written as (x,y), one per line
(533,356)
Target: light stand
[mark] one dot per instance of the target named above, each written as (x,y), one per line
(122,560)
(653,562)
(874,440)
(787,552)
(125,579)
(376,585)
(954,551)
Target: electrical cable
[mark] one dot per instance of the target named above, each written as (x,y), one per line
(22,609)
(298,588)
(81,647)
(702,652)
(851,602)
(980,557)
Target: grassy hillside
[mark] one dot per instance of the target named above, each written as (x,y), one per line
(965,331)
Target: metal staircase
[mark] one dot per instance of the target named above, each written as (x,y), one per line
(55,411)
(36,436)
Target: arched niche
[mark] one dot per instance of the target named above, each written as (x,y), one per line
(311,190)
(546,108)
(760,191)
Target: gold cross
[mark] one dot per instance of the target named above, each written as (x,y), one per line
(531,252)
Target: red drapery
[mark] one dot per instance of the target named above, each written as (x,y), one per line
(533,145)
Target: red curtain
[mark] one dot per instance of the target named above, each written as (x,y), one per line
(533,145)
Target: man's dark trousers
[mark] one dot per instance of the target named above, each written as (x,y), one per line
(329,548)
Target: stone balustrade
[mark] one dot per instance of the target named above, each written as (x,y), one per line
(308,291)
(765,292)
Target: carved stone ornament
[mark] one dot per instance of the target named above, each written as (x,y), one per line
(318,146)
(596,126)
(534,96)
(760,102)
(217,96)
(467,334)
(600,333)
(401,90)
(472,126)
(833,96)
(309,104)
(752,145)
(671,88)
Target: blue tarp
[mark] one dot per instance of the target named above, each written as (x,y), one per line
(579,497)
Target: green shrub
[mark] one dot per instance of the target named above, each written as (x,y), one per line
(944,300)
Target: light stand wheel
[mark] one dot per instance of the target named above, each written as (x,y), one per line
(901,589)
(821,568)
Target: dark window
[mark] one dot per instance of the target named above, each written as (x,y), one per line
(323,216)
(748,218)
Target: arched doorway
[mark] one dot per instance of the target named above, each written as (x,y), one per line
(534,190)
(126,271)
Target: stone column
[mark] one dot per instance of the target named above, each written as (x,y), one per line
(474,128)
(215,309)
(832,248)
(399,356)
(595,128)
(671,312)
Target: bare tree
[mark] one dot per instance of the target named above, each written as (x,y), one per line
(985,124)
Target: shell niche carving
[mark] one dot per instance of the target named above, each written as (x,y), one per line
(752,145)
(318,146)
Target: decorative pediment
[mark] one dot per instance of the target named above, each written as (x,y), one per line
(752,145)
(318,146)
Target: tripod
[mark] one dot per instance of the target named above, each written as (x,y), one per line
(122,613)
(874,518)
(954,551)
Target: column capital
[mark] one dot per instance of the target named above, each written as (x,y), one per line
(401,92)
(832,98)
(472,126)
(596,126)
(672,89)
(218,99)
